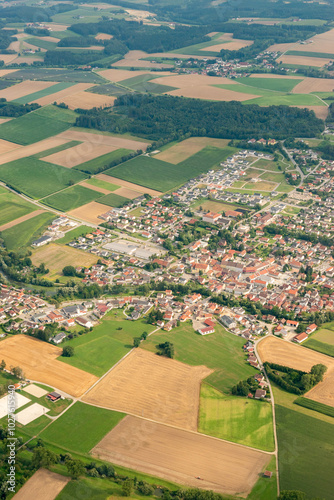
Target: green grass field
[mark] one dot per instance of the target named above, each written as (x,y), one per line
(112,200)
(12,207)
(241,420)
(58,75)
(288,100)
(322,340)
(265,489)
(301,53)
(266,165)
(220,351)
(163,176)
(305,453)
(276,84)
(143,83)
(42,93)
(37,178)
(99,350)
(315,405)
(196,50)
(23,234)
(42,44)
(56,149)
(102,184)
(81,427)
(102,162)
(71,198)
(37,125)
(74,233)
(323,347)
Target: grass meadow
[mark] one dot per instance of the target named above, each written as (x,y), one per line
(220,351)
(81,427)
(241,420)
(275,84)
(99,350)
(37,178)
(112,200)
(322,340)
(102,184)
(102,162)
(12,207)
(74,233)
(164,176)
(71,198)
(23,234)
(38,125)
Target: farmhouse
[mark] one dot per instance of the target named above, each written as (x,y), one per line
(300,337)
(57,339)
(43,240)
(227,321)
(260,393)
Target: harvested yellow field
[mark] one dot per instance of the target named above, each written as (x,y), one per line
(94,188)
(285,353)
(62,94)
(4,120)
(182,456)
(127,193)
(304,61)
(102,140)
(56,256)
(103,36)
(139,15)
(90,212)
(43,485)
(57,27)
(130,185)
(6,146)
(31,149)
(4,72)
(271,75)
(232,45)
(117,75)
(8,58)
(155,387)
(134,58)
(38,361)
(88,100)
(320,111)
(314,85)
(183,150)
(78,154)
(24,88)
(212,93)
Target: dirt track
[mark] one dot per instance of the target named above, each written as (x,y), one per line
(43,485)
(152,386)
(182,456)
(21,219)
(38,362)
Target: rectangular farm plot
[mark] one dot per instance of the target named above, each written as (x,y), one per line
(24,88)
(88,100)
(44,92)
(126,184)
(13,207)
(274,350)
(30,414)
(113,200)
(184,149)
(43,485)
(22,234)
(56,257)
(90,212)
(6,146)
(61,95)
(154,387)
(38,362)
(81,153)
(72,197)
(182,456)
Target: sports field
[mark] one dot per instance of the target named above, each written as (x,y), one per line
(12,207)
(71,198)
(305,451)
(163,176)
(155,387)
(38,362)
(37,125)
(237,419)
(194,349)
(109,341)
(56,257)
(81,427)
(37,178)
(43,485)
(182,456)
(23,234)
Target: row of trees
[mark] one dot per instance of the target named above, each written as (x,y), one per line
(295,381)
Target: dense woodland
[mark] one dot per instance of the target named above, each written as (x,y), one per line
(14,109)
(162,117)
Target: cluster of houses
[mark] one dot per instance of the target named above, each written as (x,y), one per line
(55,230)
(15,303)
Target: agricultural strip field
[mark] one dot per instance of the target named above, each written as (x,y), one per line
(58,75)
(182,456)
(113,200)
(42,44)
(87,100)
(305,453)
(319,346)
(90,212)
(56,256)
(43,485)
(276,84)
(144,83)
(154,387)
(183,150)
(300,53)
(236,419)
(194,349)
(316,62)
(81,427)
(314,405)
(37,178)
(128,185)
(103,161)
(71,198)
(62,95)
(274,350)
(37,125)
(98,183)
(109,341)
(163,176)
(44,92)
(38,361)
(12,207)
(24,88)
(23,234)
(21,219)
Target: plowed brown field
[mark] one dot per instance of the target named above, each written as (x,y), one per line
(152,386)
(182,456)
